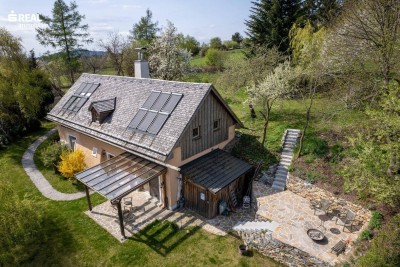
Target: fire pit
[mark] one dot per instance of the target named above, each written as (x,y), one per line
(315,234)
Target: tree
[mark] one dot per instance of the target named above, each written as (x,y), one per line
(144,32)
(366,38)
(64,30)
(116,46)
(24,93)
(321,12)
(237,37)
(32,60)
(215,58)
(270,22)
(215,43)
(189,43)
(92,62)
(166,59)
(276,85)
(22,227)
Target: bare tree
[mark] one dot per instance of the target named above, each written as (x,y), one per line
(116,46)
(92,63)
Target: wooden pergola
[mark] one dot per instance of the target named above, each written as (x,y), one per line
(118,177)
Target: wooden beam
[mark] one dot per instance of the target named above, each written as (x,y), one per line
(121,219)
(88,198)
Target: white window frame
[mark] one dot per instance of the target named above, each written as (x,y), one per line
(69,141)
(94,152)
(109,154)
(219,124)
(198,135)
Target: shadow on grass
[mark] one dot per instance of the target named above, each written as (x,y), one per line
(249,149)
(164,236)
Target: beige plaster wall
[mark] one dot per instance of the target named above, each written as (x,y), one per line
(86,144)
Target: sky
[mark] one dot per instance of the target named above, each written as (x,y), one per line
(203,19)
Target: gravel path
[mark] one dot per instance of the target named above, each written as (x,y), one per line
(37,177)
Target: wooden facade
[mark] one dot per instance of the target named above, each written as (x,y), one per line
(206,203)
(211,110)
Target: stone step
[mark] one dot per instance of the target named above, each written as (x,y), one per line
(255,226)
(278,187)
(280,175)
(283,156)
(280,180)
(293,130)
(280,183)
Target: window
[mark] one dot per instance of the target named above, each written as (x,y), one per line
(216,124)
(155,111)
(110,156)
(80,96)
(72,141)
(94,152)
(196,132)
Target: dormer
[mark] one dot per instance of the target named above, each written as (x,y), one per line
(101,109)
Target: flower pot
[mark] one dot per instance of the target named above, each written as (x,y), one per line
(243,249)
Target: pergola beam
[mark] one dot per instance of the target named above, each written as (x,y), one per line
(88,198)
(121,219)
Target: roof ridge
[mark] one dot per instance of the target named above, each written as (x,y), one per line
(143,79)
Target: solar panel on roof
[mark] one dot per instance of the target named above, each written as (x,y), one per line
(73,104)
(171,104)
(155,112)
(160,102)
(79,104)
(147,120)
(137,119)
(69,102)
(151,99)
(158,123)
(81,88)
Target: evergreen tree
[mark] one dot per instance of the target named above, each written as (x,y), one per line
(32,60)
(271,20)
(145,30)
(321,11)
(64,30)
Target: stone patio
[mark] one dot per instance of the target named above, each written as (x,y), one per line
(146,210)
(295,217)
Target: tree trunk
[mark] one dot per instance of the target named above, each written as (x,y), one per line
(69,63)
(266,121)
(303,134)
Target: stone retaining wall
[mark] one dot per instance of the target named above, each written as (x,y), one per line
(311,192)
(284,253)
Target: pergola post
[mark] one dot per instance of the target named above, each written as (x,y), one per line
(88,198)
(121,219)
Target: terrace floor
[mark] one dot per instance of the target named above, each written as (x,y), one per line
(147,210)
(295,217)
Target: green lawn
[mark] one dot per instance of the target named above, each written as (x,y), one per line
(55,179)
(73,239)
(198,61)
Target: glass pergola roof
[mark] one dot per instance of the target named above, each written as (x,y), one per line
(119,176)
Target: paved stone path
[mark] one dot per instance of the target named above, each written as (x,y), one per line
(37,177)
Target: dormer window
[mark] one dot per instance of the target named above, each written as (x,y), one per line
(101,109)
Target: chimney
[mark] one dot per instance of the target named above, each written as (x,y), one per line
(141,66)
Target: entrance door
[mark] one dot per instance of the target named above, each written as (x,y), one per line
(154,185)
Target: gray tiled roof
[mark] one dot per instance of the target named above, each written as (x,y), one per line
(103,105)
(215,170)
(130,94)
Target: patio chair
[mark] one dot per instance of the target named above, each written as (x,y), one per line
(347,219)
(323,206)
(339,247)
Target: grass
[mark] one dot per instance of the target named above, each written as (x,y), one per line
(76,240)
(198,61)
(55,179)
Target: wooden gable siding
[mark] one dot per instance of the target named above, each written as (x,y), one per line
(210,110)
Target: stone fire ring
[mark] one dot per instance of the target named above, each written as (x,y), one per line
(315,234)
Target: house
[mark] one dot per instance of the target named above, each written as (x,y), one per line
(162,136)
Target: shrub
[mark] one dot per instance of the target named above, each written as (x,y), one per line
(366,235)
(22,227)
(376,220)
(316,146)
(71,163)
(51,155)
(336,152)
(385,247)
(203,51)
(215,58)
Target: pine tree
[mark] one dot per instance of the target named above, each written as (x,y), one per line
(271,20)
(145,30)
(65,31)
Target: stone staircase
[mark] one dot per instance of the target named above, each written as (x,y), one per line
(254,226)
(289,143)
